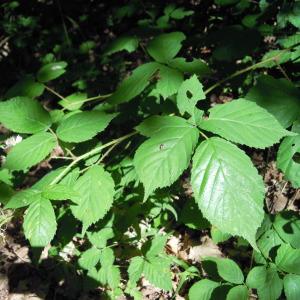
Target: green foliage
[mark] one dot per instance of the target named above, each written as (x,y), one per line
(160,156)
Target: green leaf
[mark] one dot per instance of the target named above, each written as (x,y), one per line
(23,198)
(89,258)
(30,151)
(155,124)
(244,122)
(227,269)
(24,115)
(289,147)
(83,126)
(113,276)
(161,159)
(196,66)
(51,71)
(227,188)
(107,257)
(269,240)
(127,43)
(288,259)
(165,46)
(202,289)
(59,192)
(135,268)
(189,93)
(278,96)
(239,292)
(134,84)
(218,236)
(26,87)
(291,283)
(6,176)
(6,193)
(287,226)
(157,246)
(73,101)
(169,81)
(266,281)
(39,223)
(99,238)
(96,189)
(157,272)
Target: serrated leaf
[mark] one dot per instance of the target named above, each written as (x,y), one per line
(189,93)
(278,96)
(30,151)
(285,162)
(24,115)
(83,126)
(266,281)
(157,272)
(113,276)
(165,46)
(161,159)
(196,66)
(135,268)
(96,189)
(39,222)
(127,43)
(239,292)
(51,71)
(59,192)
(23,198)
(291,283)
(107,257)
(157,246)
(153,125)
(227,269)
(169,81)
(26,87)
(227,188)
(89,258)
(202,289)
(244,122)
(134,84)
(100,238)
(288,259)
(73,101)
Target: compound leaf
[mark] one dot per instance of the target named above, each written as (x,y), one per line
(165,46)
(83,126)
(288,259)
(157,271)
(24,115)
(30,151)
(244,122)
(227,188)
(266,281)
(278,96)
(96,190)
(202,289)
(160,160)
(227,269)
(39,222)
(291,283)
(189,93)
(134,84)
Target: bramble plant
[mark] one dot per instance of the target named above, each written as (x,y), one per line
(119,159)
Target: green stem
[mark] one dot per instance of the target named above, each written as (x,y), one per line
(53,92)
(237,73)
(89,154)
